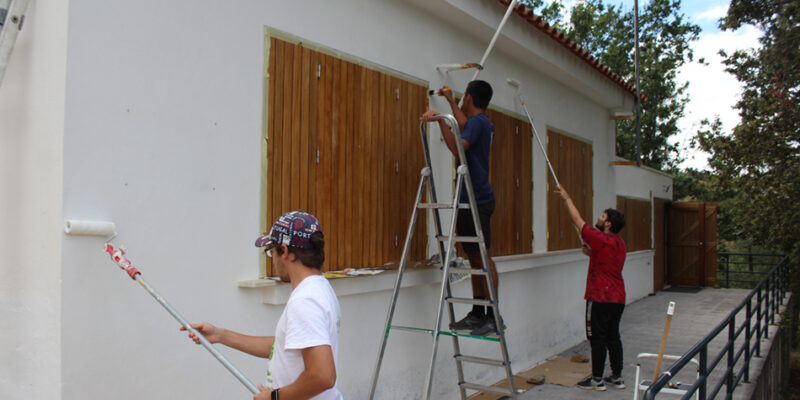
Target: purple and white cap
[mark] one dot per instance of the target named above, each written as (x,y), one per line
(292,229)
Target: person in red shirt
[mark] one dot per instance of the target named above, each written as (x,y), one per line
(605,292)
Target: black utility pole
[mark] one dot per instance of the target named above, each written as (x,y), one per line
(636,72)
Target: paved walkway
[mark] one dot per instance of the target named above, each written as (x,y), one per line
(696,315)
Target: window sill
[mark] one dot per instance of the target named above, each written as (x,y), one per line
(275,292)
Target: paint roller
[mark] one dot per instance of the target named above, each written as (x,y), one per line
(480,65)
(107,229)
(89,228)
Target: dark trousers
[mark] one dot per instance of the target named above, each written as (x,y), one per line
(602,330)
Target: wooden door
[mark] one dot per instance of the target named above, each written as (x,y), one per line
(659,236)
(691,241)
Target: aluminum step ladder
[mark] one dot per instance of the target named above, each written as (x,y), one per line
(12,17)
(450,267)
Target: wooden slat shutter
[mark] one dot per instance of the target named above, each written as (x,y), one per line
(511,178)
(572,161)
(343,144)
(638,223)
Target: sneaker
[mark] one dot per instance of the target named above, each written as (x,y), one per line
(471,321)
(615,381)
(591,383)
(486,327)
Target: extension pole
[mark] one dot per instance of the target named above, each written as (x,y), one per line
(516,84)
(638,95)
(510,8)
(670,311)
(118,256)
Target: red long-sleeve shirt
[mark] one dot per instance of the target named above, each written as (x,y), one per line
(604,283)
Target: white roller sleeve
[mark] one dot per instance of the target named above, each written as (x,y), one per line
(89,228)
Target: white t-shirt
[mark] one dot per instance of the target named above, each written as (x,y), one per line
(311,318)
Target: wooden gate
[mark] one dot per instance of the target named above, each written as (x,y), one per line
(659,237)
(692,244)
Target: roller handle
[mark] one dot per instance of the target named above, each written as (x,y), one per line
(438,91)
(118,256)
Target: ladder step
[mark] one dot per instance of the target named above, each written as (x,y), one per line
(490,338)
(484,388)
(480,360)
(476,302)
(412,329)
(474,271)
(470,239)
(442,205)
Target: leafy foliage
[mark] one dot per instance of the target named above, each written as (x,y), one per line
(665,36)
(761,157)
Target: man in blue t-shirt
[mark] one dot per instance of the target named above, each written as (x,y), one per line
(476,138)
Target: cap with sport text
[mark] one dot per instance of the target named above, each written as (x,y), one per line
(292,229)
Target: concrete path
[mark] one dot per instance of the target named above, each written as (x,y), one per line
(696,315)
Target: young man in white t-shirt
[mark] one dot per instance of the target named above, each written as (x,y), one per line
(304,349)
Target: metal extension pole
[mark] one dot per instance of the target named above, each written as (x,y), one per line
(536,134)
(510,8)
(118,256)
(638,95)
(538,140)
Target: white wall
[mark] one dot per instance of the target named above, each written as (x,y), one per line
(162,129)
(643,182)
(31,139)
(541,301)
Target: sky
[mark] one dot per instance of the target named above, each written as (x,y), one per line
(712,91)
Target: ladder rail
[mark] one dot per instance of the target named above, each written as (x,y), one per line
(486,266)
(425,174)
(444,291)
(432,187)
(9,30)
(440,245)
(484,256)
(447,254)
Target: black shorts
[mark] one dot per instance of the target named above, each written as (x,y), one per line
(465,226)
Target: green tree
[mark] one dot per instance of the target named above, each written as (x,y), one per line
(552,13)
(761,157)
(665,37)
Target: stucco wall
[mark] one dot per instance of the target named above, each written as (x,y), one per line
(541,301)
(162,127)
(643,182)
(31,133)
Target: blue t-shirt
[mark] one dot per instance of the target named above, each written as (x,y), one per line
(478,131)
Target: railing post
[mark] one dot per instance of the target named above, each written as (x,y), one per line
(765,328)
(785,273)
(758,322)
(731,348)
(774,301)
(747,334)
(703,371)
(727,271)
(781,281)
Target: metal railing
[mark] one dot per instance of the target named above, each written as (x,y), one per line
(760,307)
(744,270)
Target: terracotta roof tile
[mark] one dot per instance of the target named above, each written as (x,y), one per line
(561,37)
